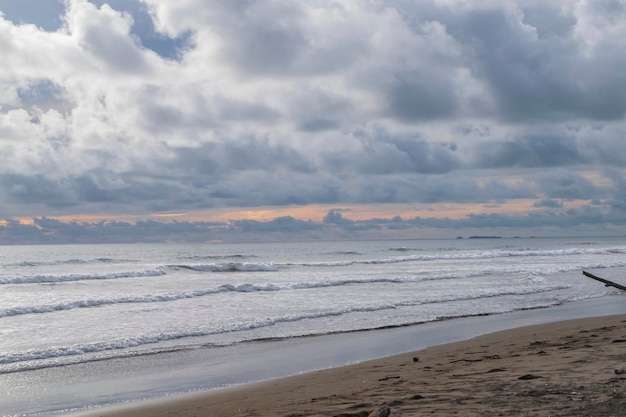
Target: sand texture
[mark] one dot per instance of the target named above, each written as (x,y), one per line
(571,368)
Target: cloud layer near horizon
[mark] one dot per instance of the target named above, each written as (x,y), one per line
(153,106)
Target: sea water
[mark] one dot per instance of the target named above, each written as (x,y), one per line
(69,305)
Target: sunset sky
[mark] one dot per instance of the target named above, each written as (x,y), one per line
(201,120)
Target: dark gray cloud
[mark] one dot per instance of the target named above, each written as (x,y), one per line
(418,95)
(530,151)
(529,77)
(617,197)
(315,110)
(547,20)
(539,60)
(250,154)
(386,153)
(432,158)
(604,146)
(36,189)
(261,45)
(562,184)
(285,224)
(281,38)
(548,202)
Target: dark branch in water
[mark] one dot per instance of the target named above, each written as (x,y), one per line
(605,281)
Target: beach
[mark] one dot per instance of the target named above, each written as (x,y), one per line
(566,368)
(89,329)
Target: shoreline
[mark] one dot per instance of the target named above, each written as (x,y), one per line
(136,381)
(573,367)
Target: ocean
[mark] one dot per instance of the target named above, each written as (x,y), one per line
(72,306)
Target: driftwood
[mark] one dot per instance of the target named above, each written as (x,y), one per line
(605,281)
(382,411)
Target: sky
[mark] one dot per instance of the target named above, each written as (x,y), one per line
(203,120)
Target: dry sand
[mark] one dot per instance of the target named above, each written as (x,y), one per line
(570,368)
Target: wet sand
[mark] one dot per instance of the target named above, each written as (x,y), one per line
(568,368)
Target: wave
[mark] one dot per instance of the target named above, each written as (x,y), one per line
(402,249)
(154,298)
(133,342)
(529,276)
(492,254)
(74,261)
(242,288)
(215,257)
(229,267)
(342,252)
(451,254)
(51,278)
(37,279)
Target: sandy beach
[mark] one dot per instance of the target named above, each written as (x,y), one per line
(568,368)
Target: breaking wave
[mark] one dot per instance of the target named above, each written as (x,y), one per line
(35,279)
(160,271)
(228,267)
(530,276)
(74,261)
(120,344)
(492,254)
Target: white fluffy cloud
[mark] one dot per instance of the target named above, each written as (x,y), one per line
(154,105)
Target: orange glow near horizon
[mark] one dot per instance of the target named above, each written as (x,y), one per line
(317,213)
(21,220)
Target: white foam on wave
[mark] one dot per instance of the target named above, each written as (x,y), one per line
(73,261)
(242,288)
(224,267)
(251,287)
(491,254)
(15,311)
(35,279)
(126,343)
(153,298)
(528,275)
(229,267)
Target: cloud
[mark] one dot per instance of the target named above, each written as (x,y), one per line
(568,185)
(535,76)
(144,32)
(285,224)
(530,151)
(151,106)
(542,222)
(548,203)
